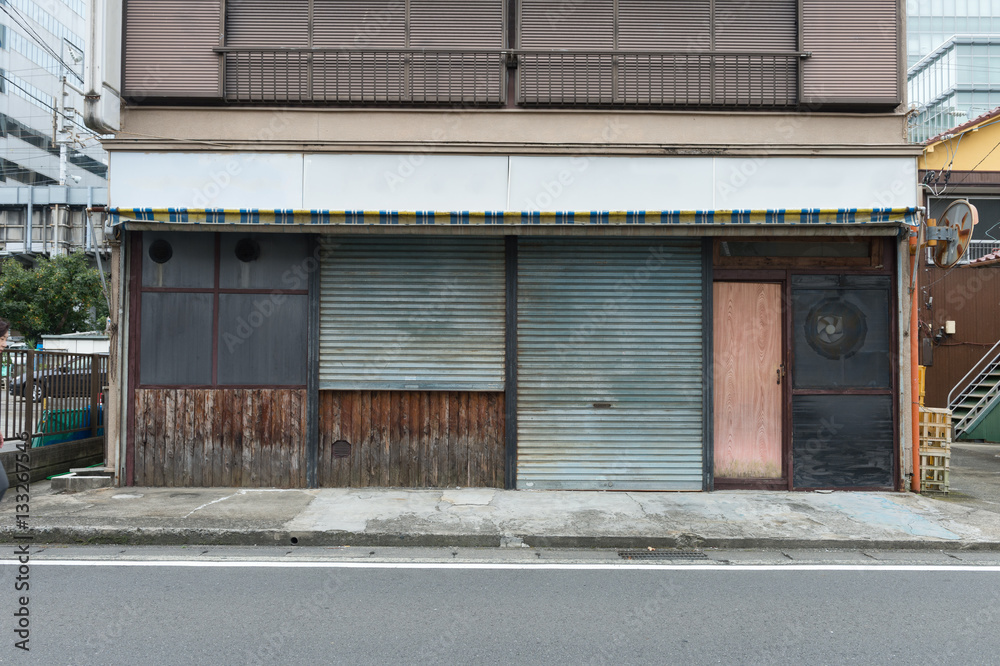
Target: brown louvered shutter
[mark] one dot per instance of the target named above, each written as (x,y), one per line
(353,71)
(359,24)
(855,52)
(267,75)
(457,24)
(168,48)
(585,25)
(683,29)
(762,25)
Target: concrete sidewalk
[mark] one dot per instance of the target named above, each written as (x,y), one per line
(489,518)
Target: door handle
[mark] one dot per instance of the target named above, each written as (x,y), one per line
(781,372)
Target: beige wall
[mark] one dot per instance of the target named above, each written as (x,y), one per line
(511,131)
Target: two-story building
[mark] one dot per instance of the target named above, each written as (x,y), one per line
(535,244)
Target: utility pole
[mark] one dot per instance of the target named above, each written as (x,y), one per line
(64,133)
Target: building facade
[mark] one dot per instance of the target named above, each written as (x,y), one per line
(959,324)
(52,167)
(527,244)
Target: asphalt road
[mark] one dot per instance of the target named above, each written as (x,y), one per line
(182,606)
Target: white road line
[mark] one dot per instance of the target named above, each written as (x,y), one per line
(539,566)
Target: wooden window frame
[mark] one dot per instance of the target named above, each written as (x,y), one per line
(215,291)
(876,259)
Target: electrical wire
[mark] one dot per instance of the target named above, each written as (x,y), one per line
(48,106)
(26,26)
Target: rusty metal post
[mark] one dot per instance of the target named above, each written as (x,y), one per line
(95,390)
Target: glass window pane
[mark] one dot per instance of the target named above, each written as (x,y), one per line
(262,339)
(176,339)
(178,259)
(265,261)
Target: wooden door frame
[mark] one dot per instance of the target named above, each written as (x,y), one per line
(884,257)
(779,277)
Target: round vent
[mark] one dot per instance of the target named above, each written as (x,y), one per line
(160,251)
(836,329)
(247,250)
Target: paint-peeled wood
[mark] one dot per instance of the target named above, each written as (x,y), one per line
(220,437)
(415,439)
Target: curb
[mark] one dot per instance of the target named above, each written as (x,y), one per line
(169,536)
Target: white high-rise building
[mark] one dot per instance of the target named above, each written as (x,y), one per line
(953,60)
(51,166)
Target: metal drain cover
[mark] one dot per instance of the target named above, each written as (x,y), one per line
(662,555)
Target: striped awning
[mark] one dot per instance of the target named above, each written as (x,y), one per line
(210,216)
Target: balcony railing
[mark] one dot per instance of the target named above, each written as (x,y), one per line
(658,79)
(396,77)
(979,249)
(372,76)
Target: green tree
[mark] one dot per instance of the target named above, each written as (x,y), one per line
(57,296)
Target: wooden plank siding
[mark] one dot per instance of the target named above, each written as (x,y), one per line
(412,439)
(249,438)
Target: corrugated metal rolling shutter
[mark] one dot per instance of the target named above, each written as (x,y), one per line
(354,26)
(610,365)
(763,25)
(664,26)
(413,313)
(457,24)
(262,23)
(683,26)
(359,24)
(855,51)
(555,24)
(168,48)
(266,23)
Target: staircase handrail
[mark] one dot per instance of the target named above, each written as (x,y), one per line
(962,425)
(973,369)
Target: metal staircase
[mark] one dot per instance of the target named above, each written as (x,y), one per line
(979,396)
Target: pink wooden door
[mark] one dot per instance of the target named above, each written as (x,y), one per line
(748,378)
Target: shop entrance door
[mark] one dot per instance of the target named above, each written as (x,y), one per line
(749,383)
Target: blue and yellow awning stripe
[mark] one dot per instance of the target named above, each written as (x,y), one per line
(212,216)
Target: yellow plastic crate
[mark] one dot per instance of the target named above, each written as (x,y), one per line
(935,428)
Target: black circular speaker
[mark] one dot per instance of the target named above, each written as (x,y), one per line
(836,329)
(160,251)
(247,250)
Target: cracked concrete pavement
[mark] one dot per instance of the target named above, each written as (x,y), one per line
(488,517)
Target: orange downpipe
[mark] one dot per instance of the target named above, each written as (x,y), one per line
(915,367)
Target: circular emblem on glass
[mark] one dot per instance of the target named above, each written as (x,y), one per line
(836,329)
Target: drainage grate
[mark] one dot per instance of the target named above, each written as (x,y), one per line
(662,555)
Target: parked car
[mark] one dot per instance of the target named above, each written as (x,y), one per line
(63,381)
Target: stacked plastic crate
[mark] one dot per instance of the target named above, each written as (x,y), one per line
(935,449)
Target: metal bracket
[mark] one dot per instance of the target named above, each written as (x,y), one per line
(949,234)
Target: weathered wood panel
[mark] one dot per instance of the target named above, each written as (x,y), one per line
(220,437)
(413,439)
(747,352)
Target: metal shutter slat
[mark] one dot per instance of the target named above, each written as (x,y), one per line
(267,76)
(855,51)
(583,340)
(168,48)
(457,24)
(404,314)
